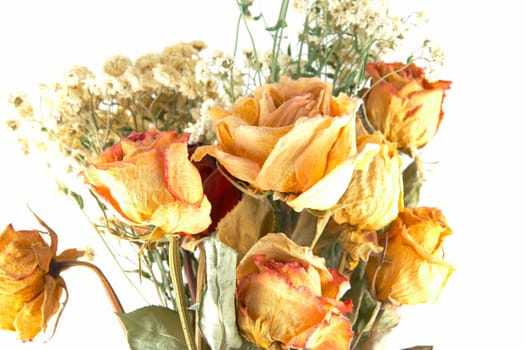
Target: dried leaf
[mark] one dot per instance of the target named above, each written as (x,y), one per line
(250,219)
(413,181)
(217,310)
(153,328)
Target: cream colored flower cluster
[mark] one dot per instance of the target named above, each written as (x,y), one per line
(86,112)
(368,20)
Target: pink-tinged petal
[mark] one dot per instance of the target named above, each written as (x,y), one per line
(333,305)
(109,155)
(334,332)
(262,294)
(294,272)
(336,287)
(165,139)
(277,246)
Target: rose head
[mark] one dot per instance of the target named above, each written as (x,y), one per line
(149,180)
(404,105)
(293,138)
(30,290)
(375,195)
(287,296)
(413,270)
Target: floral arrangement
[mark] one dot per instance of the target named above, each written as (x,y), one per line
(269,197)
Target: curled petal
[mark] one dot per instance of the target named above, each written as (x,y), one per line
(277,246)
(264,293)
(413,271)
(288,139)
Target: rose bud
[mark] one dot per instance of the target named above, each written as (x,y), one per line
(404,105)
(411,270)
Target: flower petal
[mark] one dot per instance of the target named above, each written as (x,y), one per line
(182,177)
(181,217)
(261,294)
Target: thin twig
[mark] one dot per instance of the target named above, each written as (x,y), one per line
(110,292)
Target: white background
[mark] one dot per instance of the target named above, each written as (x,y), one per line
(478,182)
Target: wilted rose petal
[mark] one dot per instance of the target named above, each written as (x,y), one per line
(375,194)
(413,270)
(149,180)
(288,139)
(404,105)
(287,296)
(29,291)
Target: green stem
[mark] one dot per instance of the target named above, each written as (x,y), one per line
(280,25)
(177,279)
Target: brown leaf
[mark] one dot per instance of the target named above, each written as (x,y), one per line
(250,219)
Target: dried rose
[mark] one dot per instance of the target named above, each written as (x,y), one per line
(222,195)
(404,105)
(149,180)
(293,138)
(411,270)
(289,298)
(375,195)
(30,290)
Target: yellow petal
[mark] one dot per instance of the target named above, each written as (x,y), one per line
(256,331)
(335,333)
(413,271)
(182,177)
(248,141)
(182,217)
(264,293)
(241,168)
(10,305)
(278,172)
(26,287)
(313,163)
(134,190)
(28,321)
(326,193)
(374,196)
(293,272)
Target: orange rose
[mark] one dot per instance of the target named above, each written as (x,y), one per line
(149,180)
(288,297)
(30,289)
(412,271)
(375,195)
(404,106)
(293,138)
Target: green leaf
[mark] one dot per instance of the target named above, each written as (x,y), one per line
(84,141)
(413,181)
(78,198)
(217,310)
(153,328)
